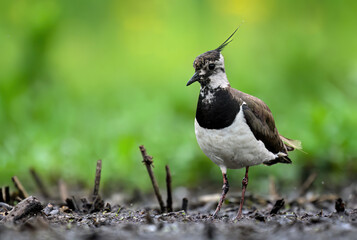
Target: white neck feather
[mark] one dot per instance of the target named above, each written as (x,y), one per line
(218,80)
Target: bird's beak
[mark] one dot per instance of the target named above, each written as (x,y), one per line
(194,78)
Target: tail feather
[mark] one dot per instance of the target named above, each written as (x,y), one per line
(285,159)
(282,157)
(291,144)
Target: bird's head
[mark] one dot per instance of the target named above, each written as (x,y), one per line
(209,68)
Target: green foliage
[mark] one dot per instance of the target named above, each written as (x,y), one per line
(86,80)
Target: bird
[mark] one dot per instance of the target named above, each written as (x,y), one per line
(234,129)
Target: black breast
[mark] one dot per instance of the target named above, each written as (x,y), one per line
(219,112)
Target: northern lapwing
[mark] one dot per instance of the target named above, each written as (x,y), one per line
(234,129)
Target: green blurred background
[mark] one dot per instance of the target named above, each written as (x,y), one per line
(88,80)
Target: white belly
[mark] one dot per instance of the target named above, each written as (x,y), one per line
(234,146)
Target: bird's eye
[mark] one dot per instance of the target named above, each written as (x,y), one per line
(211,66)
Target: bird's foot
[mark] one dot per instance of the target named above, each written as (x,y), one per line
(213,216)
(237,218)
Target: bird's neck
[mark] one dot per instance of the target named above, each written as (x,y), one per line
(209,91)
(214,83)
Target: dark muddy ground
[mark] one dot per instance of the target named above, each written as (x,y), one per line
(304,217)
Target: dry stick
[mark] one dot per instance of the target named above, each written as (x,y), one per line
(72,204)
(272,189)
(23,210)
(76,208)
(169,192)
(1,196)
(184,204)
(22,192)
(7,194)
(277,206)
(39,183)
(339,205)
(63,190)
(308,183)
(98,172)
(147,160)
(97,204)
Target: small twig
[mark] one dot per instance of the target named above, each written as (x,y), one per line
(76,208)
(22,192)
(272,189)
(1,196)
(97,180)
(277,206)
(147,160)
(308,183)
(24,210)
(96,205)
(339,205)
(63,190)
(7,194)
(184,204)
(169,192)
(316,198)
(72,204)
(39,183)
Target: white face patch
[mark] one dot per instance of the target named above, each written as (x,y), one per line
(218,80)
(219,77)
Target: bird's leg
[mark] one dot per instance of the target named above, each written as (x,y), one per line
(244,186)
(225,189)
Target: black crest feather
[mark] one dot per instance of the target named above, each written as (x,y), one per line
(220,48)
